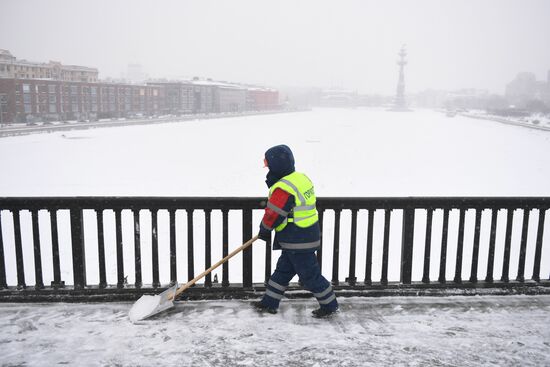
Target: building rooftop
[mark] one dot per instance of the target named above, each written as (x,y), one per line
(6,56)
(222,84)
(5,53)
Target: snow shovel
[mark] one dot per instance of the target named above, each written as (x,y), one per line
(148,306)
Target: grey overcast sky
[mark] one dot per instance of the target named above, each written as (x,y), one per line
(346,44)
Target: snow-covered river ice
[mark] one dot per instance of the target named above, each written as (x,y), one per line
(346,152)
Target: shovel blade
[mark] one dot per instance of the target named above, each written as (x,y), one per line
(148,306)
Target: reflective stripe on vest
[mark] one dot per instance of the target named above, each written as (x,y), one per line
(276,209)
(304,214)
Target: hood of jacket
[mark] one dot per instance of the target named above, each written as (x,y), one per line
(280,161)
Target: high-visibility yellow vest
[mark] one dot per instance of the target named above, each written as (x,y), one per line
(304,214)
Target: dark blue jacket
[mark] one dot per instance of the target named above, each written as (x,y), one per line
(280,161)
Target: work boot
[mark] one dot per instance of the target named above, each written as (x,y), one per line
(260,307)
(322,313)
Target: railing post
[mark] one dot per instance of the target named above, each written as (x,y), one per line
(475,252)
(101,248)
(320,250)
(492,239)
(267,274)
(37,253)
(119,249)
(207,246)
(267,268)
(78,249)
(386,247)
(247,254)
(190,246)
(427,247)
(444,241)
(459,247)
(523,245)
(56,283)
(368,260)
(137,248)
(507,245)
(3,283)
(352,279)
(225,247)
(336,250)
(173,248)
(18,250)
(407,243)
(155,248)
(538,246)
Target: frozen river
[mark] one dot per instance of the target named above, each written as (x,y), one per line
(355,152)
(346,152)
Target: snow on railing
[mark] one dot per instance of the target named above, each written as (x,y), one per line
(127,246)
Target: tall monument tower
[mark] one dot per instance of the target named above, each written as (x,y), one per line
(399,103)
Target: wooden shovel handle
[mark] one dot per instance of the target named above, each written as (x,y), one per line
(209,270)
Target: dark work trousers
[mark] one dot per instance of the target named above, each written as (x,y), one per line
(306,266)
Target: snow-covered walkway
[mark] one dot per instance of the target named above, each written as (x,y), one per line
(451,331)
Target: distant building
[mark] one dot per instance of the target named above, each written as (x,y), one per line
(261,98)
(178,96)
(522,88)
(300,97)
(6,56)
(525,88)
(230,97)
(33,92)
(338,98)
(222,96)
(374,100)
(460,99)
(10,67)
(204,96)
(467,99)
(431,98)
(28,100)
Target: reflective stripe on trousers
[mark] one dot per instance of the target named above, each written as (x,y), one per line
(272,294)
(306,266)
(275,290)
(300,246)
(325,297)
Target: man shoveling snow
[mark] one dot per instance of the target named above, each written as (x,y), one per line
(292,213)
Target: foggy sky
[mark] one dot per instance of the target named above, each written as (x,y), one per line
(346,44)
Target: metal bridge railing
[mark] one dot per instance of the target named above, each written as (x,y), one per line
(40,217)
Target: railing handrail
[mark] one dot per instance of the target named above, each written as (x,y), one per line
(233,202)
